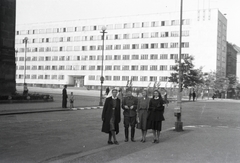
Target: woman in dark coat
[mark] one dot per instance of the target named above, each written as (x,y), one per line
(155,117)
(111,117)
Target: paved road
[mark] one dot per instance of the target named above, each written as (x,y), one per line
(212,135)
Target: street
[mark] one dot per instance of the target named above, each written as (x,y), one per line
(75,136)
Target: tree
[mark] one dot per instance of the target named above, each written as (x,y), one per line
(190,76)
(232,80)
(221,82)
(209,81)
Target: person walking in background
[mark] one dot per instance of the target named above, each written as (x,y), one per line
(129,105)
(25,89)
(155,117)
(190,95)
(142,108)
(111,117)
(64,97)
(71,100)
(194,95)
(107,90)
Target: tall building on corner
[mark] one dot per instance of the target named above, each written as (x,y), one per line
(7,47)
(141,47)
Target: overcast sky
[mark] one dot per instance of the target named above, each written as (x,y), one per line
(37,11)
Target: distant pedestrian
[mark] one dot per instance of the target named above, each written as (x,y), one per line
(214,95)
(190,95)
(107,90)
(111,117)
(142,114)
(71,100)
(64,97)
(202,94)
(129,105)
(155,117)
(25,89)
(194,95)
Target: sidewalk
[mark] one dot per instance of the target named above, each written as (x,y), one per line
(196,144)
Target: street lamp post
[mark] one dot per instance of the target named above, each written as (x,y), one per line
(178,109)
(24,78)
(102,78)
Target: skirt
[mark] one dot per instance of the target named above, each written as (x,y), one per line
(154,125)
(142,120)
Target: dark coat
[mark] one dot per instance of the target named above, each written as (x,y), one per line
(156,110)
(106,115)
(64,93)
(64,98)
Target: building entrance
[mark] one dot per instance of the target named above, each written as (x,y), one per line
(79,81)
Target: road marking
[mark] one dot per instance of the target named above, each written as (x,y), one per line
(223,126)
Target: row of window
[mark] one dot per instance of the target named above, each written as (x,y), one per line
(108,27)
(93,67)
(126,78)
(107,47)
(108,37)
(33,76)
(107,57)
(92,77)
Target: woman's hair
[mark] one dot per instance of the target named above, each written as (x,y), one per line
(159,94)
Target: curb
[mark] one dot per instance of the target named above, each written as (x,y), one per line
(87,108)
(50,110)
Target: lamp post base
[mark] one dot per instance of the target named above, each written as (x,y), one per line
(178,126)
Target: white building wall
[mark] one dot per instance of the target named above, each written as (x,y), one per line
(203,45)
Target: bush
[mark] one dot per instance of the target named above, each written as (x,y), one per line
(30,97)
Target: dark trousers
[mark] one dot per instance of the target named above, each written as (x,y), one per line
(64,103)
(129,121)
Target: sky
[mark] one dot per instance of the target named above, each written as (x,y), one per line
(38,11)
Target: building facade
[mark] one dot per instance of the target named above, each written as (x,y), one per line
(7,47)
(143,48)
(231,60)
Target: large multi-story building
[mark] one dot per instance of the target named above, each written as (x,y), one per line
(142,48)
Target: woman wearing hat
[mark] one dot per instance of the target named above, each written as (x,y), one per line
(111,117)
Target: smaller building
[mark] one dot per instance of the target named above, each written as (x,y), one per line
(231,67)
(238,61)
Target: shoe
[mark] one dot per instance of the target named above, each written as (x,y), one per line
(110,142)
(154,141)
(141,140)
(126,140)
(132,139)
(116,142)
(157,141)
